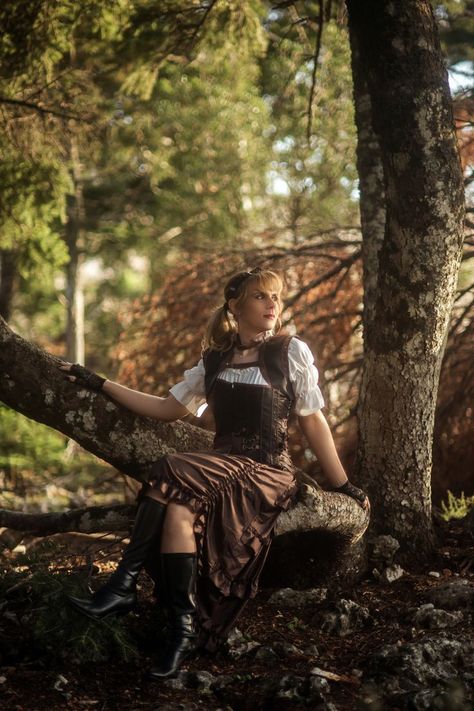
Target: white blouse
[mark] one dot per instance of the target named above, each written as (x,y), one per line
(304,377)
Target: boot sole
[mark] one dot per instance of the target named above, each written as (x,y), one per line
(172,674)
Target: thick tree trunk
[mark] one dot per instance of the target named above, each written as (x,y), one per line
(418,261)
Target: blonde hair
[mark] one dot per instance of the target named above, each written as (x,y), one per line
(222,328)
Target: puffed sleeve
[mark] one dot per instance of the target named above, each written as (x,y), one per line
(304,377)
(190,392)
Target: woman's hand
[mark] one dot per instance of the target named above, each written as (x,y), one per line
(356,493)
(67,367)
(83,375)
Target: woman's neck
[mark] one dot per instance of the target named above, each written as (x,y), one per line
(251,338)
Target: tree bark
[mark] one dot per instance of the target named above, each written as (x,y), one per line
(371,185)
(417,266)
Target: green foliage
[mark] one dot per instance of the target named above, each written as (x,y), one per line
(50,628)
(188,136)
(37,474)
(456,24)
(44,82)
(456,507)
(28,444)
(319,176)
(33,204)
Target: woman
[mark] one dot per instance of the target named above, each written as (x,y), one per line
(209,516)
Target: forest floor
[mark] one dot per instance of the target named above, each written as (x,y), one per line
(36,684)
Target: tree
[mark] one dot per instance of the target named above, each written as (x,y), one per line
(161,78)
(417,266)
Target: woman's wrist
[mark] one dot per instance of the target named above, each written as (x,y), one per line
(87,377)
(340,487)
(350,490)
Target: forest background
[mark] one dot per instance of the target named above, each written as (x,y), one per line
(146,156)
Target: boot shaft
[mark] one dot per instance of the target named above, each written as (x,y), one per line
(179,573)
(145,537)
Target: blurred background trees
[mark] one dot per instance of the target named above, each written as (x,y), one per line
(149,150)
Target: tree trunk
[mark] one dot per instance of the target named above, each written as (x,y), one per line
(371,185)
(8,273)
(418,262)
(75,347)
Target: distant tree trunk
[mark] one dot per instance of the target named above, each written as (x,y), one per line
(417,266)
(75,347)
(8,273)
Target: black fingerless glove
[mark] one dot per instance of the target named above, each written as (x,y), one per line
(87,377)
(352,490)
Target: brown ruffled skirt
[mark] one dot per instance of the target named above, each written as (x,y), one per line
(237,501)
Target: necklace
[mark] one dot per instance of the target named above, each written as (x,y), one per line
(241,348)
(251,346)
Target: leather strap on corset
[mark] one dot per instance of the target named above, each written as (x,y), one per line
(273,362)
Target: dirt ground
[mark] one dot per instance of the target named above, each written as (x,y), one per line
(116,685)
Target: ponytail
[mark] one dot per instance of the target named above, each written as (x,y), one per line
(221,330)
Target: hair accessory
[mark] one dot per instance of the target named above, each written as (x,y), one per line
(239,280)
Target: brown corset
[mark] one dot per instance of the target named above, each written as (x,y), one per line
(252,420)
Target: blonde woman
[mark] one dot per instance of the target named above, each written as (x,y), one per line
(208,517)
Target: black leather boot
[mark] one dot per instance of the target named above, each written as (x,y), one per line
(118,596)
(179,572)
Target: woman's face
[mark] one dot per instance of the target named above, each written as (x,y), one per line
(259,310)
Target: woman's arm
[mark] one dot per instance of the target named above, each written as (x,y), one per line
(167,409)
(319,436)
(162,408)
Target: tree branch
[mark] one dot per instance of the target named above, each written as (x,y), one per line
(41,109)
(31,383)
